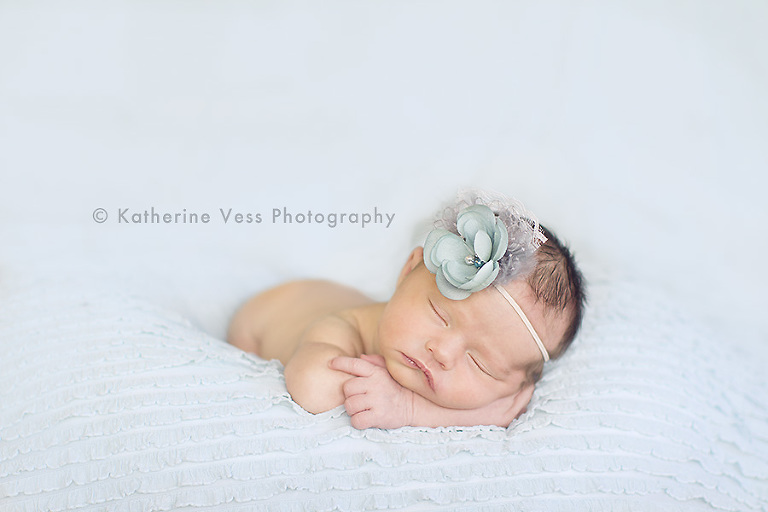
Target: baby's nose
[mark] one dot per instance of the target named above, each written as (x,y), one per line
(445,351)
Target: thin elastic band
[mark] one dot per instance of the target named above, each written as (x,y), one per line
(525,320)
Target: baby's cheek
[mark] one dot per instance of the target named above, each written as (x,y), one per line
(473,396)
(406,377)
(398,373)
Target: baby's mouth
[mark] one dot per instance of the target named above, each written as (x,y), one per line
(414,363)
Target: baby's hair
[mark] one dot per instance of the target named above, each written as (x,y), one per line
(558,282)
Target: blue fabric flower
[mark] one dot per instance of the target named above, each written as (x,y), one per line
(470,262)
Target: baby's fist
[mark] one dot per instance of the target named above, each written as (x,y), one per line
(373,399)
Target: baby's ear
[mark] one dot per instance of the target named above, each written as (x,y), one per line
(416,257)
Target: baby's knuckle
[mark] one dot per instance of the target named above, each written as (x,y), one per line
(349,405)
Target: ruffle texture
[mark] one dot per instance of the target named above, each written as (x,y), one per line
(108,402)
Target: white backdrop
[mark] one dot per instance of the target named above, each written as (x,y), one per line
(636,130)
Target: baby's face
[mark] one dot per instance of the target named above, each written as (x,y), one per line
(459,354)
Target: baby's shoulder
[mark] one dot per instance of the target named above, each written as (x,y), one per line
(324,311)
(300,304)
(279,318)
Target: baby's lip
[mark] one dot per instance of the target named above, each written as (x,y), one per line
(415,363)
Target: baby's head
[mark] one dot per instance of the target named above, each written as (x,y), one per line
(478,310)
(558,286)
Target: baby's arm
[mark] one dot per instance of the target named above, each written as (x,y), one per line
(374,399)
(500,413)
(310,381)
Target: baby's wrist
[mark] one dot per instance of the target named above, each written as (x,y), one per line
(410,408)
(424,412)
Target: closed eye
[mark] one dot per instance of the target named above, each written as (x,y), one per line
(437,313)
(479,365)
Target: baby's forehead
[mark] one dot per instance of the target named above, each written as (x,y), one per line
(487,305)
(485,311)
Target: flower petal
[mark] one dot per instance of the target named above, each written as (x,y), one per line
(429,244)
(448,290)
(468,224)
(471,227)
(484,277)
(484,271)
(450,248)
(458,272)
(483,245)
(478,213)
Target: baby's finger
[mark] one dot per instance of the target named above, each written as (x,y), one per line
(355,386)
(364,419)
(352,366)
(355,404)
(374,359)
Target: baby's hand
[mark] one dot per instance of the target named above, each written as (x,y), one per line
(372,397)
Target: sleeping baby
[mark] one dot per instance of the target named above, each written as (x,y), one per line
(476,312)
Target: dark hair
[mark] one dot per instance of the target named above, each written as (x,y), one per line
(559,284)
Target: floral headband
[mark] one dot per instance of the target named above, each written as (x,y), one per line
(485,250)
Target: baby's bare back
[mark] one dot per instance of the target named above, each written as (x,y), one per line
(271,323)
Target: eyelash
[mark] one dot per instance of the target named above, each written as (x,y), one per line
(438,314)
(478,365)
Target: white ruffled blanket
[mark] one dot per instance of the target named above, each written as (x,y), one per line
(110,402)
